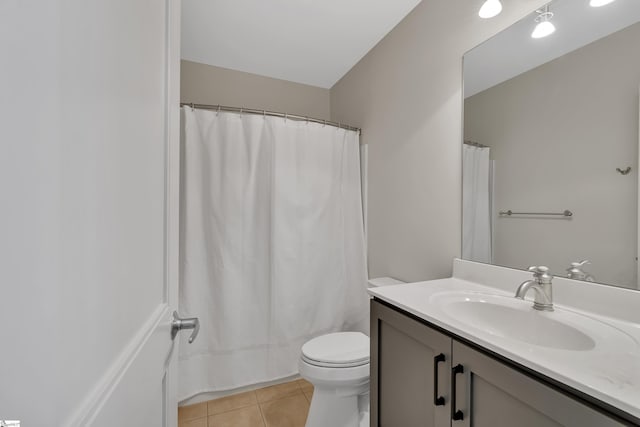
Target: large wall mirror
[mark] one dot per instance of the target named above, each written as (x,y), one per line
(550,168)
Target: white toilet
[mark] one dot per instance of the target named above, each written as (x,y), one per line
(338,367)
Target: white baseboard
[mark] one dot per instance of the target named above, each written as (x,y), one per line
(203,397)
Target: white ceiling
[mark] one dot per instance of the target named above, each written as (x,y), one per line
(306,41)
(513,51)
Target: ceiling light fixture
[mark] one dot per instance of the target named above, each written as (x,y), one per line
(544,27)
(598,3)
(492,8)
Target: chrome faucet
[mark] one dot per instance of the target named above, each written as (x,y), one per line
(541,284)
(575,271)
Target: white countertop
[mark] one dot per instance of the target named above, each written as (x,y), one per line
(611,375)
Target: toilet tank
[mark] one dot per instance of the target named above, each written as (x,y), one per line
(383,281)
(377,282)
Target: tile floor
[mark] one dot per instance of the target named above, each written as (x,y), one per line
(282,405)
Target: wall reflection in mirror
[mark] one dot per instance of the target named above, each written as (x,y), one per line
(550,162)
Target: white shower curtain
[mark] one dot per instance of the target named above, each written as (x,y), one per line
(272,244)
(476,208)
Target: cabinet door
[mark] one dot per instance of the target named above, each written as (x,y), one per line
(491,394)
(406,358)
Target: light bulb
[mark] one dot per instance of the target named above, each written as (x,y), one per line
(543,29)
(598,3)
(490,8)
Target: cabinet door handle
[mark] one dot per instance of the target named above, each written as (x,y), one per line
(437,400)
(456,414)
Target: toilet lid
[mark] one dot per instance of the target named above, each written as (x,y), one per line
(339,349)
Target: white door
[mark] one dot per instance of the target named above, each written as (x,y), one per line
(88,211)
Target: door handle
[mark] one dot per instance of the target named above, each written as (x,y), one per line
(437,400)
(456,414)
(178,324)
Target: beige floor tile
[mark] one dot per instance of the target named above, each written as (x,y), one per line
(308,393)
(278,391)
(286,412)
(229,403)
(200,422)
(305,385)
(191,412)
(245,417)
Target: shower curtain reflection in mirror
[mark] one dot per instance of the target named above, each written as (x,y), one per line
(272,249)
(477,180)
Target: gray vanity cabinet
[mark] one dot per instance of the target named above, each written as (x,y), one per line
(406,359)
(500,396)
(487,392)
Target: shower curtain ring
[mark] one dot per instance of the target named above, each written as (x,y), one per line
(218,112)
(241,111)
(192,107)
(285,116)
(324,123)
(264,114)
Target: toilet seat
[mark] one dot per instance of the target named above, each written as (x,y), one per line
(338,367)
(337,350)
(334,365)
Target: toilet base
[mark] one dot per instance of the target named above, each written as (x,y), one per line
(328,408)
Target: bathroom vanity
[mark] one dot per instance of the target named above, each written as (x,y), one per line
(456,352)
(463,351)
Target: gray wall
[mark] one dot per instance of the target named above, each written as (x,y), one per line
(406,94)
(206,84)
(558,133)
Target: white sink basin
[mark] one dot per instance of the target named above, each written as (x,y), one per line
(515,319)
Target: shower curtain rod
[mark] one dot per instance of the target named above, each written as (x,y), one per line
(242,110)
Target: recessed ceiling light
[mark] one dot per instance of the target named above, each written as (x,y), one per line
(598,3)
(544,27)
(491,8)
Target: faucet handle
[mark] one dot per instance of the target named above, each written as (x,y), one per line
(538,269)
(581,263)
(541,273)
